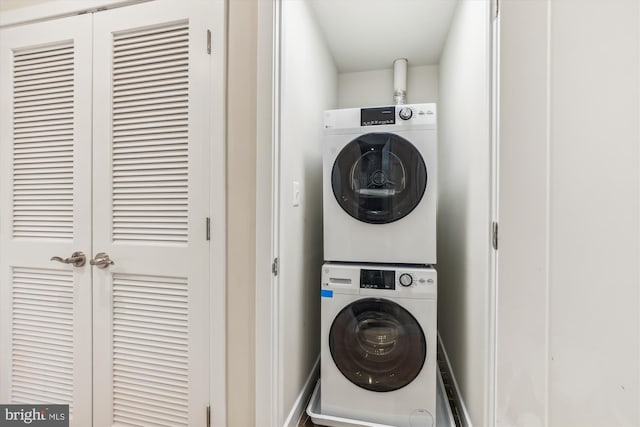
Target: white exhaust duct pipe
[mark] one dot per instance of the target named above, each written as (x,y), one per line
(400,81)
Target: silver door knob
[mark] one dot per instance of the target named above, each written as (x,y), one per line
(77,259)
(101,260)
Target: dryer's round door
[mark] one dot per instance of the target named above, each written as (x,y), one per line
(379,178)
(377,344)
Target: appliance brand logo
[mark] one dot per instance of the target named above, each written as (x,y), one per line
(34,415)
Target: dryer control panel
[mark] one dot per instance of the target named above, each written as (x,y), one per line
(377,116)
(395,116)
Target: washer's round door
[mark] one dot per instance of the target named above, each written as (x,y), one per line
(379,178)
(377,344)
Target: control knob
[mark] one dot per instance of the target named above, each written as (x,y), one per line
(406,280)
(405,113)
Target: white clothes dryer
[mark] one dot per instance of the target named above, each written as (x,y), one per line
(379,343)
(380,176)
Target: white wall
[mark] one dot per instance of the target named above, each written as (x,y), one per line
(309,86)
(569,301)
(521,383)
(375,87)
(241,212)
(464,215)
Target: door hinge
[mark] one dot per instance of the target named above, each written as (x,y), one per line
(274,267)
(208,231)
(208,415)
(494,235)
(209,42)
(497,8)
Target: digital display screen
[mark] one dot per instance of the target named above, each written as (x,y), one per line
(378,279)
(377,116)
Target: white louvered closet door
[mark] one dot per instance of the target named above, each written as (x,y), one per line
(45,196)
(151,201)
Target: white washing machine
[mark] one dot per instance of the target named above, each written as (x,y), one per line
(380,178)
(379,339)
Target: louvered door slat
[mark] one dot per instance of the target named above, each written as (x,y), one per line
(154,50)
(60,78)
(39,107)
(122,73)
(150,401)
(151,44)
(34,156)
(54,95)
(153,78)
(148,104)
(28,73)
(33,378)
(55,376)
(162,348)
(63,111)
(34,358)
(28,54)
(150,54)
(153,63)
(48,128)
(40,67)
(151,37)
(51,73)
(158,97)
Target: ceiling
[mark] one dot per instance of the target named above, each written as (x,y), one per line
(370,34)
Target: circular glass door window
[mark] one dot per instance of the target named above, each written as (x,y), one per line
(377,344)
(379,178)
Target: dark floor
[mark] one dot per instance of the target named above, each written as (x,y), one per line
(305,421)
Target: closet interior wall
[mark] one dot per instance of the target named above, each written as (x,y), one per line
(464,205)
(309,85)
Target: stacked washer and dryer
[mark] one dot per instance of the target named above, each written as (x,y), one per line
(379,289)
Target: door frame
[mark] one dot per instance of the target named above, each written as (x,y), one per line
(217,258)
(494,136)
(268,369)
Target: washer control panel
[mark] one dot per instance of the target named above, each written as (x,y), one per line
(379,280)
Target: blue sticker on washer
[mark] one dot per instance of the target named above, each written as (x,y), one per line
(326,293)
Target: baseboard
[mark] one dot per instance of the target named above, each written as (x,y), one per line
(459,401)
(301,401)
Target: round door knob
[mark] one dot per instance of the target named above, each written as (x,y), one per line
(406,280)
(405,113)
